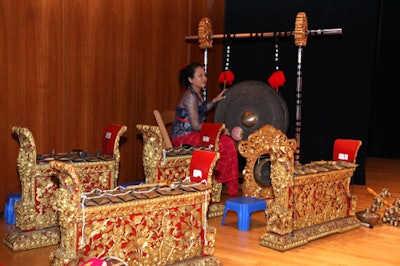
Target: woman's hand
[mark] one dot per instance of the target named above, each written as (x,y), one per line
(226,132)
(220,96)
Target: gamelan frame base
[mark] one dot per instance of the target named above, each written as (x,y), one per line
(18,240)
(209,261)
(303,236)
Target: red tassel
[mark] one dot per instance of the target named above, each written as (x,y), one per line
(277,79)
(226,77)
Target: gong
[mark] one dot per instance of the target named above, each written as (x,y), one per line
(250,105)
(262,171)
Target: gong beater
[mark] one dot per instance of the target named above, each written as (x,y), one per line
(250,105)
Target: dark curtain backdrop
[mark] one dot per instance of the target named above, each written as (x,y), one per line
(338,71)
(384,130)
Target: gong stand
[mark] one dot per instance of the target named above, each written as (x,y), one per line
(205,29)
(300,33)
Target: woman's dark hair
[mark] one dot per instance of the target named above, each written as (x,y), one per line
(187,72)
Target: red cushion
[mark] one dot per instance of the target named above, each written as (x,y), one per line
(200,165)
(346,149)
(110,133)
(209,134)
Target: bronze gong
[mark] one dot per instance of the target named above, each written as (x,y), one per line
(250,105)
(262,171)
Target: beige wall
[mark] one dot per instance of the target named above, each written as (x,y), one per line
(70,67)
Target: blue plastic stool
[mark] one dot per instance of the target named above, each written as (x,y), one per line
(244,207)
(9,212)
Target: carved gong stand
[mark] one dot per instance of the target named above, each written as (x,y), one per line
(300,33)
(286,226)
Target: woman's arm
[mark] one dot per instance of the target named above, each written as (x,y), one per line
(190,104)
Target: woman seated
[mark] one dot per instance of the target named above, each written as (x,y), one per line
(189,118)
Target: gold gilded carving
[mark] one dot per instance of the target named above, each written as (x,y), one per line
(17,240)
(301,29)
(152,231)
(204,261)
(205,33)
(303,236)
(35,211)
(303,202)
(272,141)
(159,167)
